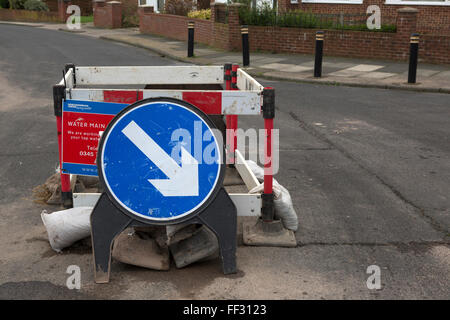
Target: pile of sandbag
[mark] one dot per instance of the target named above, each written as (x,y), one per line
(283,206)
(147,247)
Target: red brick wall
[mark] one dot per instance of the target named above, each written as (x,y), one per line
(28,16)
(431,19)
(435,48)
(382,45)
(107,15)
(337,43)
(210,32)
(175,27)
(360,44)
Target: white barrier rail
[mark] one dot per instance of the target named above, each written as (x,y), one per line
(143,75)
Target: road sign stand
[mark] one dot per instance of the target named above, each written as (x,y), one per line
(108,221)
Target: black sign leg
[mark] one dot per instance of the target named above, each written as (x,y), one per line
(221,217)
(106,223)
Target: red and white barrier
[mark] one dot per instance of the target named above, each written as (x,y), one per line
(243,96)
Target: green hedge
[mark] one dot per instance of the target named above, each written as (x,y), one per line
(4,4)
(16,4)
(35,5)
(266,16)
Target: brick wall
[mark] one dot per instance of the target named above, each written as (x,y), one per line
(107,14)
(361,44)
(28,16)
(435,48)
(431,19)
(206,31)
(337,43)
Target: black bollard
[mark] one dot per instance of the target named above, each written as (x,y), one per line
(413,55)
(245,47)
(190,39)
(319,54)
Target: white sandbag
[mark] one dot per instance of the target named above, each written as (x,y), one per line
(67,226)
(257,170)
(283,206)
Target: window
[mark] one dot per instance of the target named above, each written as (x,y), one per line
(157,5)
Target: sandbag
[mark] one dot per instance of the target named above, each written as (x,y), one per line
(65,227)
(130,248)
(283,206)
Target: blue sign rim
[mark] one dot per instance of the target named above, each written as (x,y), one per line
(135,215)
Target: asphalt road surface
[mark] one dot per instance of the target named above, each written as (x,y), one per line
(368,171)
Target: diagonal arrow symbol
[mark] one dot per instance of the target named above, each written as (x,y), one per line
(183,180)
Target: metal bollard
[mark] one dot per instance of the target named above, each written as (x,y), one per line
(245,46)
(190,52)
(413,55)
(319,54)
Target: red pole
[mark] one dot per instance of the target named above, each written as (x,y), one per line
(267,210)
(58,97)
(234,118)
(268,172)
(65,178)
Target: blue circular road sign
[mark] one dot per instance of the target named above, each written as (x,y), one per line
(161,160)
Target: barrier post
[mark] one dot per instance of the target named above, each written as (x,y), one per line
(234,117)
(58,96)
(267,211)
(318,54)
(229,137)
(245,46)
(413,56)
(232,120)
(190,39)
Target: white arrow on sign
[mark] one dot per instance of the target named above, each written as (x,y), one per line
(183,180)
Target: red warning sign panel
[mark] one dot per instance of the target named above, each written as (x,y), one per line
(82,124)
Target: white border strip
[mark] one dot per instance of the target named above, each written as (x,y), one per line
(419,3)
(247,205)
(69,79)
(149,75)
(246,82)
(233,102)
(241,102)
(334,1)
